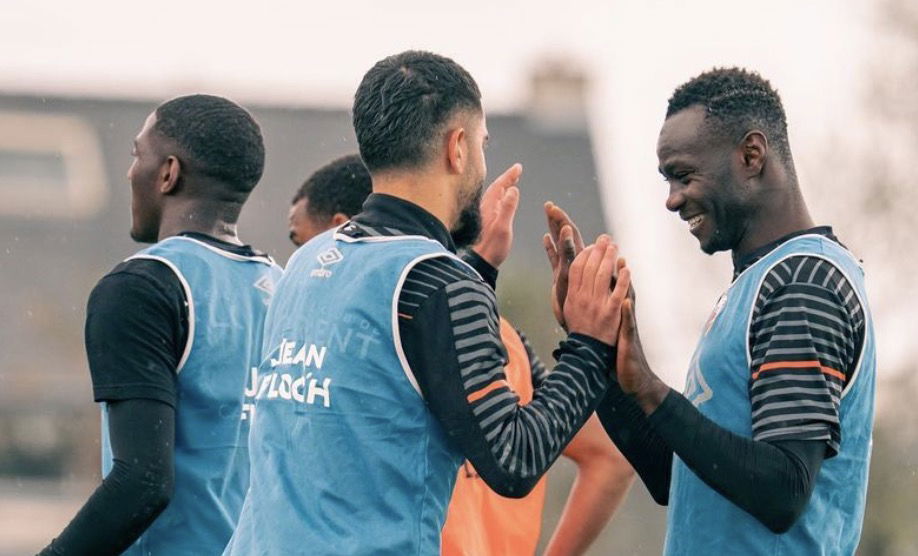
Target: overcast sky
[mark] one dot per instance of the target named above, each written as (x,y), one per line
(311,53)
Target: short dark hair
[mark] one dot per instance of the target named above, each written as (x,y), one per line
(736,101)
(342,186)
(403,102)
(219,138)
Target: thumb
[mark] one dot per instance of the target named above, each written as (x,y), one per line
(628,325)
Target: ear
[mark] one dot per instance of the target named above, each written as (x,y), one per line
(754,153)
(169,174)
(456,150)
(339,218)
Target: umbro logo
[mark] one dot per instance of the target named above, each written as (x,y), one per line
(326,258)
(265,284)
(330,256)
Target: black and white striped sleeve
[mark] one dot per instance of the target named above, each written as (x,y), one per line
(805,338)
(450,335)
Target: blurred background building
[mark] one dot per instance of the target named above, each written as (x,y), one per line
(576,95)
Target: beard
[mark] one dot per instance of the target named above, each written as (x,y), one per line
(467,230)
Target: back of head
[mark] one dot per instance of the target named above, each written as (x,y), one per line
(736,101)
(402,105)
(341,186)
(216,139)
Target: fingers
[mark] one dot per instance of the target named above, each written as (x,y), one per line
(619,265)
(495,198)
(508,205)
(622,286)
(592,264)
(568,245)
(562,219)
(551,251)
(576,273)
(557,218)
(554,227)
(606,269)
(510,177)
(628,326)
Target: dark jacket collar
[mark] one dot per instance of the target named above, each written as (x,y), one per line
(387,215)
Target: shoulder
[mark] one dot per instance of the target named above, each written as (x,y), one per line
(806,278)
(446,276)
(441,271)
(807,305)
(138,279)
(806,269)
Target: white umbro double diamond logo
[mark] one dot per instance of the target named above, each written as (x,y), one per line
(326,258)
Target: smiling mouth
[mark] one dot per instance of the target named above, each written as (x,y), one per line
(694,222)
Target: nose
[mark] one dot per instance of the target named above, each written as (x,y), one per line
(676,199)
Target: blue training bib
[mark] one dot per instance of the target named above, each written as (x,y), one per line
(346,456)
(228,297)
(700,520)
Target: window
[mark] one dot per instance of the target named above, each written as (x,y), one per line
(50,166)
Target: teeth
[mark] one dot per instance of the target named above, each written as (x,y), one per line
(695,221)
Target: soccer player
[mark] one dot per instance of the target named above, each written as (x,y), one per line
(384,365)
(171,335)
(480,521)
(767,449)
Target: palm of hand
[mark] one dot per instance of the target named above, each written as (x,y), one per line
(498,209)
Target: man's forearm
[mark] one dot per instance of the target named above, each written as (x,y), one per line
(460,372)
(647,452)
(512,445)
(772,481)
(136,490)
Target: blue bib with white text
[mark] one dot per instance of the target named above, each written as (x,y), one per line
(228,296)
(346,456)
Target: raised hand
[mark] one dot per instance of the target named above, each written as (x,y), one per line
(591,307)
(634,374)
(498,208)
(563,243)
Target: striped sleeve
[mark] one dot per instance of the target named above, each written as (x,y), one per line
(805,337)
(450,335)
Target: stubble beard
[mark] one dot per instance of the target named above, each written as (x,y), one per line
(467,229)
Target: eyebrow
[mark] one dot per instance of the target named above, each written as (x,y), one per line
(668,170)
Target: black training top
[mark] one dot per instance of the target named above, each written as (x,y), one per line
(449,330)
